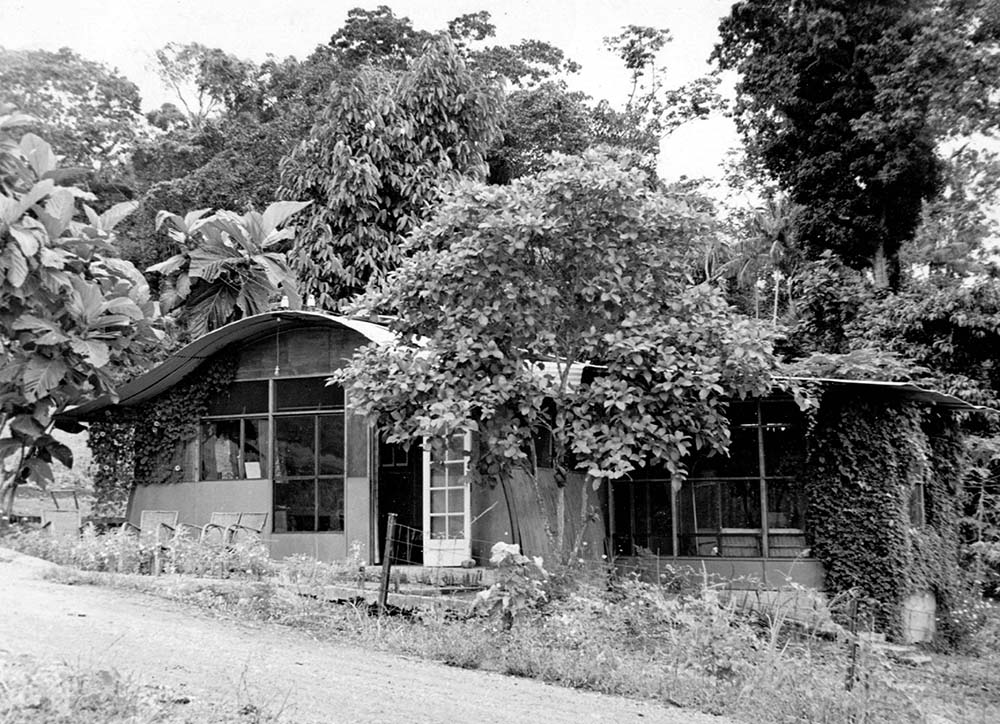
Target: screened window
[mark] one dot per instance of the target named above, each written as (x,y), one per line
(747,505)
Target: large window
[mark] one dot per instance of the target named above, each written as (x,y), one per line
(747,505)
(290,429)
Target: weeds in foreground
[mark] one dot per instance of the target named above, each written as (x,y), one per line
(64,694)
(696,647)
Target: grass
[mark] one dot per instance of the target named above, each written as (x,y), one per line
(31,693)
(694,648)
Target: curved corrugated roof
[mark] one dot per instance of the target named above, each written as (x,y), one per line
(185,360)
(909,390)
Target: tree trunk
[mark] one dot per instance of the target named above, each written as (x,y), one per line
(880,267)
(560,521)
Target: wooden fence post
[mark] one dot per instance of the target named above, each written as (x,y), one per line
(383,591)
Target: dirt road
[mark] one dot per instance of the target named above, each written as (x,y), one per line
(219,663)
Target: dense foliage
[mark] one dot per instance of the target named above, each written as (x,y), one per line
(71,312)
(883,480)
(376,162)
(583,263)
(843,104)
(145,445)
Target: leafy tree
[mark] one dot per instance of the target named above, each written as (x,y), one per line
(89,112)
(205,81)
(378,37)
(71,312)
(229,266)
(375,163)
(583,263)
(844,103)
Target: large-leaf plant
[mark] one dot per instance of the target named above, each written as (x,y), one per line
(71,312)
(230,265)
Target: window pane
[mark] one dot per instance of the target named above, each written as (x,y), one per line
(331,504)
(438,526)
(308,393)
(220,449)
(331,445)
(294,505)
(295,442)
(744,456)
(254,448)
(786,504)
(456,526)
(784,440)
(240,398)
(740,503)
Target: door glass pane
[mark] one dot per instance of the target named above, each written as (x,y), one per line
(220,449)
(294,439)
(438,526)
(331,445)
(294,505)
(331,504)
(456,448)
(439,476)
(456,500)
(456,526)
(438,501)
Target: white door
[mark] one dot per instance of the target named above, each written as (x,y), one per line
(447,539)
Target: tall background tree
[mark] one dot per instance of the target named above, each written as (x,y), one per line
(845,104)
(376,162)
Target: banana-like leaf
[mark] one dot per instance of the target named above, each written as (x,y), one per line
(85,301)
(113,216)
(39,154)
(35,194)
(12,262)
(277,213)
(60,207)
(42,375)
(31,323)
(168,267)
(123,306)
(92,350)
(207,262)
(25,239)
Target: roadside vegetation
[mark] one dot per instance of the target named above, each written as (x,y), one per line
(675,642)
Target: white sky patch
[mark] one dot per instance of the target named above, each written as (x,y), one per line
(124,33)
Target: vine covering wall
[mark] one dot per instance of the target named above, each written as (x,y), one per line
(143,445)
(866,454)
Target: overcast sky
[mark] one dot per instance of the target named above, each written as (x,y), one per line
(124,33)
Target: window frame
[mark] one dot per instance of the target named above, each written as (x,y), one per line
(270,461)
(724,536)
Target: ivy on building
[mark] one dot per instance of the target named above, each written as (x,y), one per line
(144,445)
(867,456)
